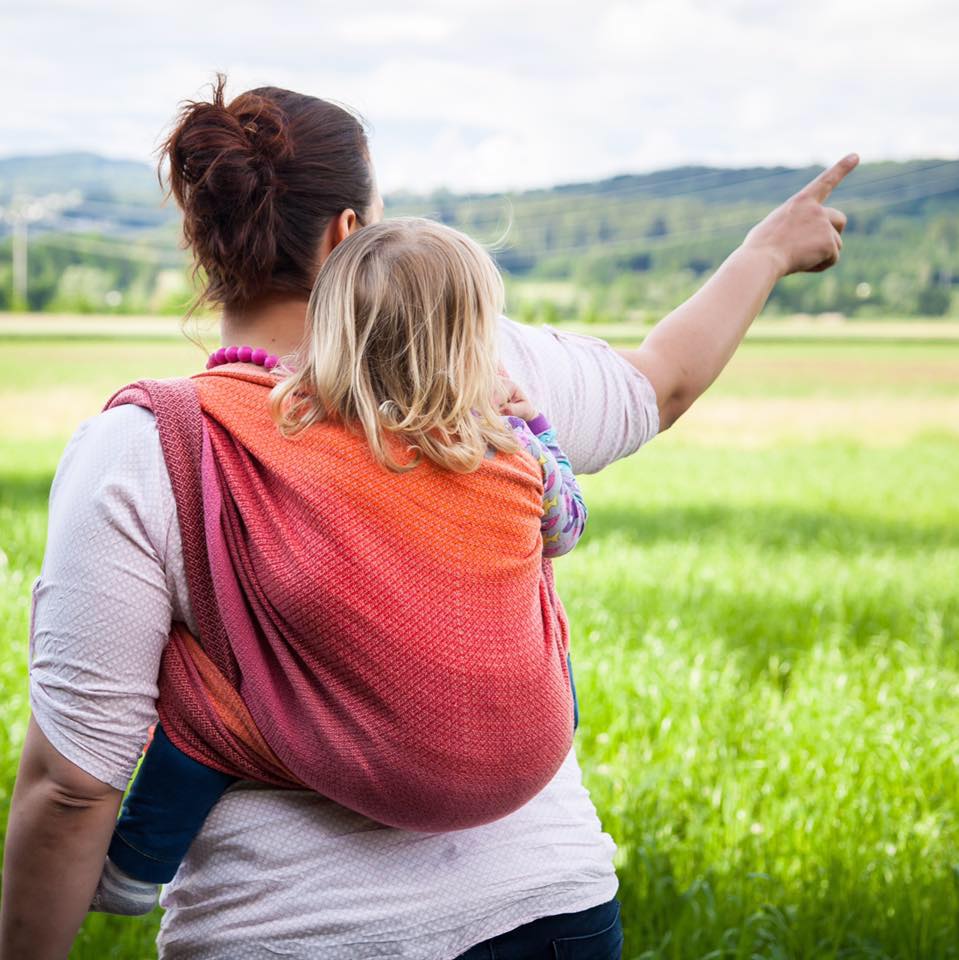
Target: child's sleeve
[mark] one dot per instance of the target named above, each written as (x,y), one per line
(564,510)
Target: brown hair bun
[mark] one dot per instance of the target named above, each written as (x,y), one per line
(258,179)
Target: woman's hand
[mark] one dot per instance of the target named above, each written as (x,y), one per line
(686,350)
(513,402)
(802,234)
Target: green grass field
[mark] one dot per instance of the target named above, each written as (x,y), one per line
(765,618)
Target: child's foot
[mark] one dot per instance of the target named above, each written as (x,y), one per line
(118,892)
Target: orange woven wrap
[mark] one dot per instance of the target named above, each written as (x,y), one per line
(392,641)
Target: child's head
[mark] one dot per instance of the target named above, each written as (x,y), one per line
(401,340)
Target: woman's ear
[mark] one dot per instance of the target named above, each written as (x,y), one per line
(337,230)
(345,224)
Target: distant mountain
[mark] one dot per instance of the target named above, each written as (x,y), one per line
(131,181)
(97,178)
(619,245)
(649,238)
(716,185)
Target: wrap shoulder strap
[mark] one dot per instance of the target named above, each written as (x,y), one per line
(176,406)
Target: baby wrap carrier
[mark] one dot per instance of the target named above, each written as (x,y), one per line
(391,641)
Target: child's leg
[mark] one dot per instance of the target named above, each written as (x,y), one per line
(164,810)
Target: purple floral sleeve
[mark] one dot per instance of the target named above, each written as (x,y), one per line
(564,511)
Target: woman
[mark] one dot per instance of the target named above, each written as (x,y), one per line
(269,184)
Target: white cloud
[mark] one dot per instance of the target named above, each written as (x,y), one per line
(391,28)
(494,94)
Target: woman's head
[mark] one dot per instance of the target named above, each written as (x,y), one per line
(260,180)
(401,340)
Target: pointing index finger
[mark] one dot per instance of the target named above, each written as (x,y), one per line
(820,188)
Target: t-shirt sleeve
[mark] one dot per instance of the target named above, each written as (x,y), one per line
(601,406)
(101,607)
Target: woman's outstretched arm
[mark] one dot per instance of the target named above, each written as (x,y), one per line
(687,349)
(61,820)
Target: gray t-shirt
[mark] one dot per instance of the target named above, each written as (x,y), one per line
(290,873)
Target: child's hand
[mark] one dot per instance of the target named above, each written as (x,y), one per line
(513,402)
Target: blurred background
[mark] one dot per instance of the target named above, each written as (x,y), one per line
(765,610)
(615,151)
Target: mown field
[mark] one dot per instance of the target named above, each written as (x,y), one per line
(766,642)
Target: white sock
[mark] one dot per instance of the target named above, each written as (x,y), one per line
(118,892)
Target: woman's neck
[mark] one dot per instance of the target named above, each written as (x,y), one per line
(277,326)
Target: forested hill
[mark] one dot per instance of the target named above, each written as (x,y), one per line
(130,181)
(603,250)
(637,245)
(95,177)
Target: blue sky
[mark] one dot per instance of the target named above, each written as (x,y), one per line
(497,95)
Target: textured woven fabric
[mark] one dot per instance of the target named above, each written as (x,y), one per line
(395,638)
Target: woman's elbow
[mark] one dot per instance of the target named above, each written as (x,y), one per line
(673,406)
(670,382)
(63,785)
(69,799)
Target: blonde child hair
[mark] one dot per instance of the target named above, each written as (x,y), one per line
(401,343)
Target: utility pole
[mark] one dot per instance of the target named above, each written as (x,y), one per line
(20,244)
(20,214)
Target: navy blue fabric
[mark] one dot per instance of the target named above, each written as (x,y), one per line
(164,810)
(593,934)
(572,685)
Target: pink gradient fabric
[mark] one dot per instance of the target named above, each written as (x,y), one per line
(395,640)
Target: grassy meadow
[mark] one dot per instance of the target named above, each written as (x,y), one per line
(765,616)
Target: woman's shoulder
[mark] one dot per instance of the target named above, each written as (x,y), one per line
(110,441)
(114,461)
(125,425)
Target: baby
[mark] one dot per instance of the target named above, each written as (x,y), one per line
(407,464)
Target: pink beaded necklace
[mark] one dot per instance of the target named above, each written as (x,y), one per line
(242,354)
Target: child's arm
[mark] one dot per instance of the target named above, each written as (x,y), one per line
(564,511)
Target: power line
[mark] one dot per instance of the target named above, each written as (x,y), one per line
(158,255)
(718,229)
(640,193)
(843,196)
